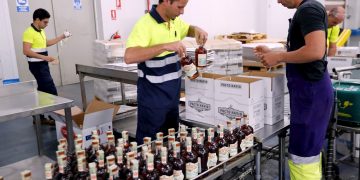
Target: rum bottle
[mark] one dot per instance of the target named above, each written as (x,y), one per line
(200,56)
(178,164)
(189,67)
(223,145)
(191,160)
(165,170)
(212,148)
(232,140)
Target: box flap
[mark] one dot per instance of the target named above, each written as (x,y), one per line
(239,79)
(97,118)
(263,74)
(211,75)
(97,105)
(76,113)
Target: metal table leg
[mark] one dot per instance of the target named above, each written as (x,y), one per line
(69,129)
(282,136)
(123,93)
(82,90)
(38,134)
(257,162)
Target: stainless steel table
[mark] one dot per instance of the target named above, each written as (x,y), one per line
(22,100)
(128,77)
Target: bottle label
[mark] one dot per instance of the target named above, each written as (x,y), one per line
(191,170)
(212,160)
(163,177)
(178,175)
(199,165)
(247,142)
(190,69)
(93,177)
(48,175)
(135,174)
(101,163)
(119,159)
(61,169)
(223,154)
(233,149)
(201,59)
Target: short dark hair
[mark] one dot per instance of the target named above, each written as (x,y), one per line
(41,14)
(160,1)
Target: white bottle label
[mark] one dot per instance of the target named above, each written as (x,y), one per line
(191,170)
(163,177)
(178,175)
(190,70)
(233,149)
(202,59)
(212,160)
(223,154)
(247,142)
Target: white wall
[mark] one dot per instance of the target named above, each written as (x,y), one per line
(8,65)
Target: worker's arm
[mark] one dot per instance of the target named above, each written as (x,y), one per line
(55,40)
(140,54)
(199,34)
(332,49)
(313,50)
(28,52)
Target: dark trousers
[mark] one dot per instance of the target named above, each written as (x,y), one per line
(152,121)
(41,72)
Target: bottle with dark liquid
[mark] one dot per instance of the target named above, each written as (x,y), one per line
(91,151)
(127,170)
(232,140)
(165,170)
(142,161)
(113,172)
(171,140)
(249,133)
(110,148)
(157,156)
(212,148)
(110,160)
(200,56)
(119,158)
(82,172)
(223,145)
(238,133)
(133,147)
(194,136)
(49,171)
(189,67)
(171,132)
(178,164)
(202,153)
(182,139)
(191,161)
(101,169)
(134,169)
(151,174)
(125,136)
(61,164)
(147,142)
(93,171)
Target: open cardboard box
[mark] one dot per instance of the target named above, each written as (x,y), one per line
(97,116)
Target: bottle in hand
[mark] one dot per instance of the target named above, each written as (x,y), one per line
(189,67)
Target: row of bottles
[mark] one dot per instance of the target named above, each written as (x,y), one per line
(190,67)
(182,157)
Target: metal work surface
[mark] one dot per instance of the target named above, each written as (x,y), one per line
(34,164)
(22,100)
(270,131)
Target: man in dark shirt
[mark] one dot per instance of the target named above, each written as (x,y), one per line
(310,88)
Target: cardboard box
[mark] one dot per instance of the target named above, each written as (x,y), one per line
(235,96)
(200,98)
(338,62)
(248,49)
(97,116)
(274,89)
(347,51)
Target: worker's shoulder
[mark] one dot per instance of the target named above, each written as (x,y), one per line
(146,20)
(311,4)
(29,30)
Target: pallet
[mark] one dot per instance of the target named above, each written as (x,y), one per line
(249,65)
(245,37)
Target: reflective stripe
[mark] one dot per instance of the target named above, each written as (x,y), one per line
(161,79)
(161,63)
(39,49)
(34,59)
(304,160)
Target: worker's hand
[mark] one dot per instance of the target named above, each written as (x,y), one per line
(49,59)
(261,50)
(66,34)
(177,46)
(200,36)
(271,58)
